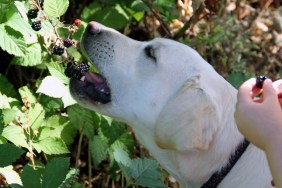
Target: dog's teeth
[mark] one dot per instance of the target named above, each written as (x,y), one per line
(82,78)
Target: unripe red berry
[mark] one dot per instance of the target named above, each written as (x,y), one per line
(77,22)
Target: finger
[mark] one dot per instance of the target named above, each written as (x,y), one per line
(269,93)
(245,92)
(278,86)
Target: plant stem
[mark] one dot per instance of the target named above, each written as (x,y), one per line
(89,167)
(78,149)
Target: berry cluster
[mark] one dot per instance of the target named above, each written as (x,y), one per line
(73,71)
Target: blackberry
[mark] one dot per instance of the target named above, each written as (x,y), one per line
(36,26)
(58,50)
(83,67)
(72,72)
(32,13)
(260,80)
(68,43)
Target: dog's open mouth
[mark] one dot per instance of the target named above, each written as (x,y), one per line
(90,86)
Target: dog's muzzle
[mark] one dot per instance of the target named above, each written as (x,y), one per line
(91,86)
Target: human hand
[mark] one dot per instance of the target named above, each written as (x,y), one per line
(260,119)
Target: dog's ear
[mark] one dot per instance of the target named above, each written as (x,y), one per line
(188,121)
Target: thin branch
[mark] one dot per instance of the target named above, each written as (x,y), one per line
(191,22)
(158,16)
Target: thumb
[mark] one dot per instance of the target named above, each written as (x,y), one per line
(268,92)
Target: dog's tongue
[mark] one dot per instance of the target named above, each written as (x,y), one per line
(96,87)
(94,78)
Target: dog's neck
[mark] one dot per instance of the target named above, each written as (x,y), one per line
(203,164)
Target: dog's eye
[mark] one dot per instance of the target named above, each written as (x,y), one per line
(150,52)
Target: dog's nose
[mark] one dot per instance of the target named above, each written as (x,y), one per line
(94,28)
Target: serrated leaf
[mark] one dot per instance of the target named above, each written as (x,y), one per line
(55,172)
(9,153)
(51,145)
(52,87)
(12,44)
(22,10)
(70,179)
(114,17)
(11,176)
(141,171)
(8,115)
(57,126)
(67,99)
(7,88)
(32,57)
(30,177)
(56,8)
(99,149)
(36,114)
(147,173)
(57,70)
(83,119)
(28,94)
(15,134)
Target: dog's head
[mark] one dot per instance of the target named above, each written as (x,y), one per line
(149,83)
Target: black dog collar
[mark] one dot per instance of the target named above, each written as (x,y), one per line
(218,176)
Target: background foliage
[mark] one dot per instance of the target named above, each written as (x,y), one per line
(47,140)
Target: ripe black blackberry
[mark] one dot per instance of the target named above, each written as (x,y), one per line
(83,67)
(58,50)
(36,26)
(72,72)
(68,43)
(260,80)
(32,13)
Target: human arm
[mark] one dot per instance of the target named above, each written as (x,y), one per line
(260,121)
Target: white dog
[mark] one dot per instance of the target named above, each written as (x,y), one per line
(181,110)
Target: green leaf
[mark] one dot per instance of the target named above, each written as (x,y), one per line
(15,134)
(7,88)
(11,42)
(114,17)
(57,126)
(70,179)
(147,173)
(56,8)
(143,172)
(2,122)
(9,153)
(83,119)
(11,176)
(22,9)
(28,94)
(55,172)
(8,115)
(32,57)
(99,149)
(30,177)
(51,145)
(57,70)
(36,114)
(123,161)
(52,87)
